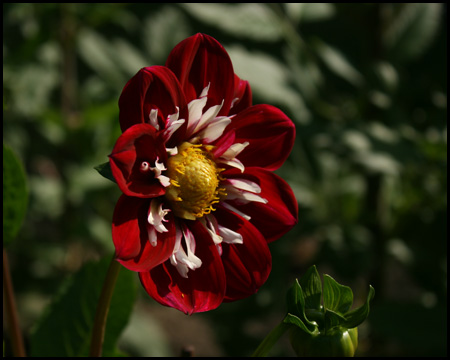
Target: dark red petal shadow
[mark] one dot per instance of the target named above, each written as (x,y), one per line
(201,60)
(137,144)
(247,266)
(154,87)
(130,235)
(204,288)
(280,214)
(270,132)
(242,98)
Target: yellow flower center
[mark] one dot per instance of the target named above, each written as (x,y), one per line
(194,181)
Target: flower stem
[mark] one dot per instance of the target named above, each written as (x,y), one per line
(271,339)
(11,311)
(98,331)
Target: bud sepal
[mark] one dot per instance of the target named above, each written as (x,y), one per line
(321,322)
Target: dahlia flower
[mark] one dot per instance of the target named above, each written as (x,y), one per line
(195,164)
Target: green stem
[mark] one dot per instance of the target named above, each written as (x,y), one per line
(271,339)
(18,347)
(98,331)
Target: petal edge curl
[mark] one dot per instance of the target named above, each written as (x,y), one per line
(130,235)
(139,143)
(202,290)
(269,131)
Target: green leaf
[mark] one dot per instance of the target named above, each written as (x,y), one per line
(105,171)
(337,62)
(294,298)
(309,12)
(332,320)
(336,297)
(294,320)
(358,315)
(100,55)
(15,195)
(270,79)
(66,326)
(312,288)
(169,26)
(129,58)
(296,303)
(411,32)
(251,20)
(31,88)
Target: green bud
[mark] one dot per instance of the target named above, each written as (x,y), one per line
(321,322)
(337,342)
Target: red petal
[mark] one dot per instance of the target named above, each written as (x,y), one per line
(198,61)
(130,235)
(270,132)
(280,214)
(243,94)
(154,87)
(223,143)
(137,144)
(247,266)
(204,288)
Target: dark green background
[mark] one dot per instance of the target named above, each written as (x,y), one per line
(366,86)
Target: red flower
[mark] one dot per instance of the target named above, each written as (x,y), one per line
(200,202)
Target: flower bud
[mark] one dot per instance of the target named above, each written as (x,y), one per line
(337,342)
(324,327)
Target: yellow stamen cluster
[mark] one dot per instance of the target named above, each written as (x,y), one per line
(194,178)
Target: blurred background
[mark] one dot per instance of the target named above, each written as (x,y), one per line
(365,85)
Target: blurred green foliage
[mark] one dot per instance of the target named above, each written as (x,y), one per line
(15,195)
(76,303)
(366,86)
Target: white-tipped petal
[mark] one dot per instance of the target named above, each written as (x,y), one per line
(178,238)
(236,211)
(205,91)
(181,259)
(244,197)
(234,150)
(214,129)
(164,180)
(173,124)
(229,156)
(172,151)
(230,236)
(234,102)
(244,184)
(208,116)
(153,117)
(158,169)
(182,269)
(243,191)
(195,108)
(156,217)
(174,117)
(212,226)
(233,163)
(152,235)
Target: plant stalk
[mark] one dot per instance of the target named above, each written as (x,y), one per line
(270,340)
(101,315)
(12,318)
